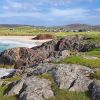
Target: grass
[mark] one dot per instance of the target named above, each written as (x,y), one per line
(82,61)
(24,30)
(60,94)
(12,79)
(28,30)
(94,52)
(2,97)
(6,66)
(95,75)
(5,89)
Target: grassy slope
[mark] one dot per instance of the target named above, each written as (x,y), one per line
(92,63)
(27,30)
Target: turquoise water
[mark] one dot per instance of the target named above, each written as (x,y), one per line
(7,44)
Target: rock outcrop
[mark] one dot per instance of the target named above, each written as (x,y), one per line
(76,43)
(71,77)
(32,88)
(48,51)
(22,57)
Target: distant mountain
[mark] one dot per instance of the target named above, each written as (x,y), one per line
(71,27)
(81,27)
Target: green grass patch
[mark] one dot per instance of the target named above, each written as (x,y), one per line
(94,52)
(12,79)
(60,94)
(5,89)
(82,61)
(2,97)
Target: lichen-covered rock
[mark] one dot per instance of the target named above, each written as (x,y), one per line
(95,89)
(32,88)
(36,89)
(73,77)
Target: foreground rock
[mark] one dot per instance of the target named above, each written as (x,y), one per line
(32,88)
(95,90)
(71,77)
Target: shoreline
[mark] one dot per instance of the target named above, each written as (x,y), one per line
(28,39)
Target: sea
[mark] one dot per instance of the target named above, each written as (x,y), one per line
(7,44)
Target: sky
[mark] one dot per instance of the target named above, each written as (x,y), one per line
(50,12)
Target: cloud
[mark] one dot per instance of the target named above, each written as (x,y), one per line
(47,11)
(54,13)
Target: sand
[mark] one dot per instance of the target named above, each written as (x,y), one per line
(23,38)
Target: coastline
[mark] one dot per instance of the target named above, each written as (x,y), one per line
(28,39)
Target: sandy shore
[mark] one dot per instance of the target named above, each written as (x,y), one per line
(23,38)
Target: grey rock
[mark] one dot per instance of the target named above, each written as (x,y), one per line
(36,89)
(15,90)
(72,77)
(95,89)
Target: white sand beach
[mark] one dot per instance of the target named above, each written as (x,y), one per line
(7,42)
(23,39)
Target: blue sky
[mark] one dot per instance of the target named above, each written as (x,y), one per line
(49,12)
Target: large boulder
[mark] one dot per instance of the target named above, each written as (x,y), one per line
(32,88)
(72,77)
(36,89)
(76,43)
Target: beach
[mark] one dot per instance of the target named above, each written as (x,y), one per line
(23,39)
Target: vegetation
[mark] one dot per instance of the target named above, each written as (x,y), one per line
(60,94)
(12,79)
(95,75)
(4,89)
(82,61)
(6,66)
(31,31)
(94,52)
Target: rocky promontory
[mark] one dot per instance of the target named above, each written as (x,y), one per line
(51,50)
(41,79)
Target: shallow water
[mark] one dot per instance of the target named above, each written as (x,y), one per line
(7,44)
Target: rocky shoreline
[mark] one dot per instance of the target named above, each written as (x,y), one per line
(34,62)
